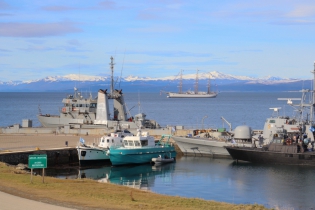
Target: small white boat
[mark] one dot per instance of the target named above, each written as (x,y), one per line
(98,153)
(162,160)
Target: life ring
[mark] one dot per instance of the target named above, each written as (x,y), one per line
(288,142)
(64,109)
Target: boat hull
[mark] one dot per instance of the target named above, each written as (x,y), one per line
(159,160)
(186,95)
(88,155)
(202,147)
(128,156)
(258,155)
(54,121)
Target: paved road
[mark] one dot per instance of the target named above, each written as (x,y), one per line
(11,202)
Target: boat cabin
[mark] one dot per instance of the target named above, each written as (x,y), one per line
(286,144)
(291,126)
(113,139)
(142,139)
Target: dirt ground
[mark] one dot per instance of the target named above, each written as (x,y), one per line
(18,142)
(12,143)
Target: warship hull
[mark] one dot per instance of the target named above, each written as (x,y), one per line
(49,121)
(258,155)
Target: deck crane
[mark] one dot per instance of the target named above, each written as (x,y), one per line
(229,124)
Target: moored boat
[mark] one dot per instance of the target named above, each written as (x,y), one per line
(291,139)
(212,143)
(162,160)
(140,149)
(94,153)
(280,151)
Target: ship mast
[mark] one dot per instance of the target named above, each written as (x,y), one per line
(180,87)
(196,83)
(209,85)
(112,76)
(313,97)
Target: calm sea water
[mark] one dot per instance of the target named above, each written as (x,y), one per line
(286,187)
(238,108)
(279,187)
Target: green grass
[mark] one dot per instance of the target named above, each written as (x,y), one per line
(90,194)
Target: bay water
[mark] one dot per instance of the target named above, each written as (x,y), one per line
(238,108)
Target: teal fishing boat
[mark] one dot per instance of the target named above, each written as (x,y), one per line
(141,149)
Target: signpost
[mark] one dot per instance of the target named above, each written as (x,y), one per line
(37,161)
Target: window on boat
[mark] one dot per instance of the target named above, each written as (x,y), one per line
(125,142)
(107,140)
(137,143)
(144,143)
(272,121)
(112,140)
(103,140)
(87,105)
(130,143)
(80,105)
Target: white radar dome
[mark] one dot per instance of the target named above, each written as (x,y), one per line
(243,132)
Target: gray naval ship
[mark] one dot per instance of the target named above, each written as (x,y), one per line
(94,112)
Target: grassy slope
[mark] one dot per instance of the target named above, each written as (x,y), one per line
(89,194)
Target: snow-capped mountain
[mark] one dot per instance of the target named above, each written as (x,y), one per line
(211,75)
(225,81)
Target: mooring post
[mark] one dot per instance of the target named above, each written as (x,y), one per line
(31,175)
(43,175)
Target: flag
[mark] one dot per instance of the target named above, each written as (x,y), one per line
(82,140)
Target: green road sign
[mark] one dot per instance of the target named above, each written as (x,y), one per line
(37,161)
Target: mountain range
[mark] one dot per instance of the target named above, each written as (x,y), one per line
(219,82)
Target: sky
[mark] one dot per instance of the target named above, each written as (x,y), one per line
(156,38)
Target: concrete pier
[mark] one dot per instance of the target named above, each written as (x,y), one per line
(54,156)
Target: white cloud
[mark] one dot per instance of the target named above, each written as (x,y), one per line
(302,11)
(37,29)
(58,8)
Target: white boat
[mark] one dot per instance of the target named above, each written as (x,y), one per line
(98,153)
(212,144)
(244,137)
(161,160)
(192,94)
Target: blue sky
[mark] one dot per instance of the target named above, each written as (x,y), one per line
(156,38)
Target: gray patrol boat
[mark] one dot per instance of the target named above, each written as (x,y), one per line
(94,112)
